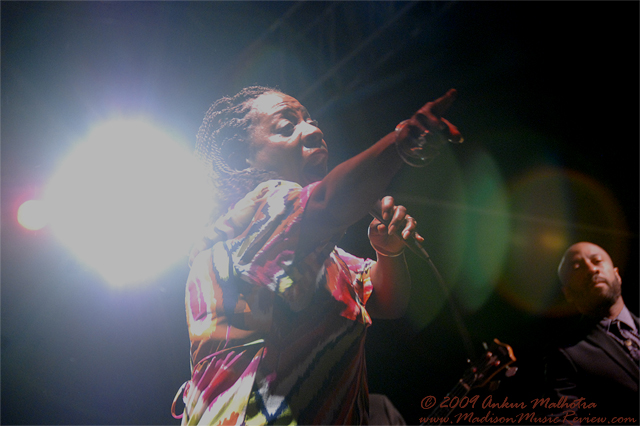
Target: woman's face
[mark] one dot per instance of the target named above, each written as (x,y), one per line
(284,139)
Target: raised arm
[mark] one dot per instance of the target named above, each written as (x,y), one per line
(349,191)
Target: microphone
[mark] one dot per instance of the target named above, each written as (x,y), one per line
(413,244)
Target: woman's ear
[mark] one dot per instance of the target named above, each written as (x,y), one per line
(237,160)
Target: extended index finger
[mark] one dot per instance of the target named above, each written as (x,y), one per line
(442,104)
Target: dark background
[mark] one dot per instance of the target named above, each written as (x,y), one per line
(548,105)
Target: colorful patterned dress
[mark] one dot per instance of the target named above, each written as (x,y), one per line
(276,337)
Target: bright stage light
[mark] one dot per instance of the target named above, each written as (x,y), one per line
(32,215)
(128,201)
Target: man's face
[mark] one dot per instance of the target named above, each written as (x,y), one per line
(284,139)
(590,281)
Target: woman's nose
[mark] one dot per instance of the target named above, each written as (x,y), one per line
(311,136)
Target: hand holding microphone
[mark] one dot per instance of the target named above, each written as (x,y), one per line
(393,230)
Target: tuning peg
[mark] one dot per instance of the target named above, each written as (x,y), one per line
(511,371)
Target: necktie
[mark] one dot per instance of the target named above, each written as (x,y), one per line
(627,337)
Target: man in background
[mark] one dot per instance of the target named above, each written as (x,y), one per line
(599,360)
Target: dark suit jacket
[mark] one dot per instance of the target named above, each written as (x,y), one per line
(595,367)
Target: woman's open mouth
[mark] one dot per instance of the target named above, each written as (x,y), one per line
(315,169)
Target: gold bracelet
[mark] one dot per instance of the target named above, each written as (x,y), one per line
(389,255)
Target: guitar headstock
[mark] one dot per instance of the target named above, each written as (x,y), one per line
(497,357)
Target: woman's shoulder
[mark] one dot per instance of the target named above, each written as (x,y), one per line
(274,185)
(273,197)
(266,192)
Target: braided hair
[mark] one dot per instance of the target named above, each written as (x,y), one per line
(222,143)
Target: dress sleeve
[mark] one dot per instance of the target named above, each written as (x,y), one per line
(360,270)
(264,253)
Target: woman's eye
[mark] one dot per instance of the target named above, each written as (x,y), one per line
(286,129)
(313,122)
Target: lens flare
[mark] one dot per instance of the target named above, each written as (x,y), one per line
(552,209)
(128,201)
(488,231)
